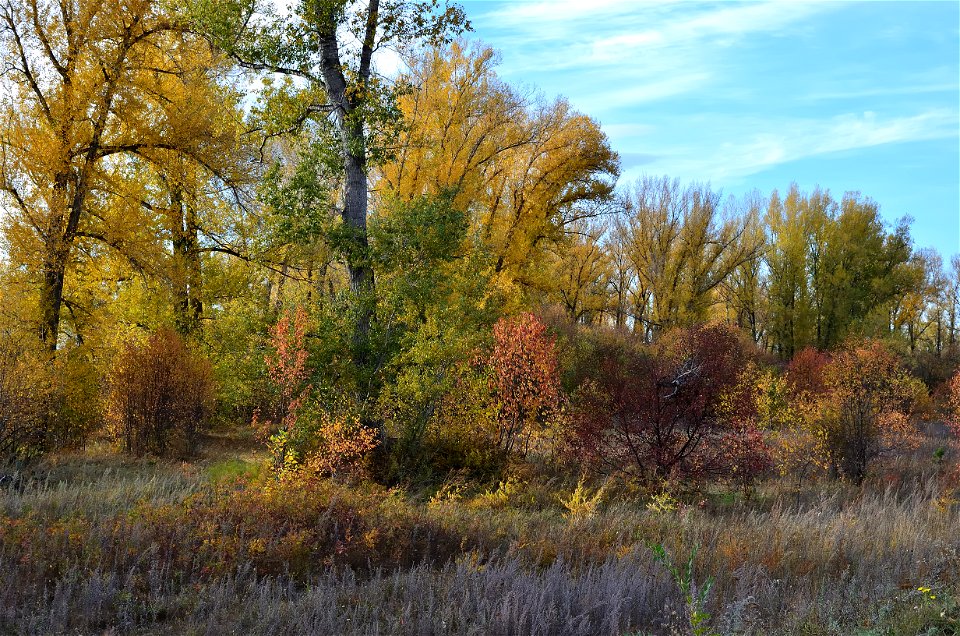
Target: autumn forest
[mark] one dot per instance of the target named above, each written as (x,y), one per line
(292,342)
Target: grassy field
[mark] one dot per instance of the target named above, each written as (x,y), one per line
(93,543)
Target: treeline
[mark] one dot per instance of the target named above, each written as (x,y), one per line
(178,177)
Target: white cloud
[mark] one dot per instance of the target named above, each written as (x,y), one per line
(738,148)
(613,54)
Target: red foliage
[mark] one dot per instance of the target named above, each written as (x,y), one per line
(806,372)
(161,394)
(287,365)
(525,378)
(659,413)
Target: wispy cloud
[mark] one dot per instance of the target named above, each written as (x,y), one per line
(741,93)
(628,52)
(739,148)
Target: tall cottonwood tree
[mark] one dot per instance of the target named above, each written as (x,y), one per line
(91,85)
(326,48)
(526,170)
(835,269)
(581,271)
(796,228)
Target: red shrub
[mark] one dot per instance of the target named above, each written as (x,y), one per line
(659,413)
(287,365)
(805,373)
(524,379)
(161,394)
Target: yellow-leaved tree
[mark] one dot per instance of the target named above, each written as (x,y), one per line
(526,170)
(110,112)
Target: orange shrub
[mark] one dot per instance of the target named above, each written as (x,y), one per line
(161,393)
(867,410)
(524,379)
(24,399)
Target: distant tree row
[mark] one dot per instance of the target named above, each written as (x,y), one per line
(795,271)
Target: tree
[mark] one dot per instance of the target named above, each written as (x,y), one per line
(527,171)
(834,269)
(92,87)
(683,248)
(863,269)
(744,291)
(796,227)
(335,89)
(581,272)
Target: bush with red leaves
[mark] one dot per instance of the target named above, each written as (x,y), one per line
(161,394)
(806,372)
(524,380)
(663,411)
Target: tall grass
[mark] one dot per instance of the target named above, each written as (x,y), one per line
(145,548)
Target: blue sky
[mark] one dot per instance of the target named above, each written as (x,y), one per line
(849,96)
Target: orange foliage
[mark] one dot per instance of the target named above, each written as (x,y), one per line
(525,379)
(868,409)
(161,393)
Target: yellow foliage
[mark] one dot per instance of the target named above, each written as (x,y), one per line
(580,504)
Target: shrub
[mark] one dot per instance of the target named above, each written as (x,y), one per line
(805,373)
(524,380)
(24,402)
(305,436)
(801,443)
(661,412)
(44,403)
(161,394)
(321,444)
(867,410)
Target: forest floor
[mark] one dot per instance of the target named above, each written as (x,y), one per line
(93,542)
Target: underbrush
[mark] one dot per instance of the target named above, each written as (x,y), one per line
(88,544)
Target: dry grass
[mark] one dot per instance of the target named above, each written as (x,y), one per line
(93,542)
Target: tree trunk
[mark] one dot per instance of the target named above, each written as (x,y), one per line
(354,152)
(51,298)
(187,275)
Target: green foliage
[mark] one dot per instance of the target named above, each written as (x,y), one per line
(299,205)
(835,268)
(694,596)
(235,340)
